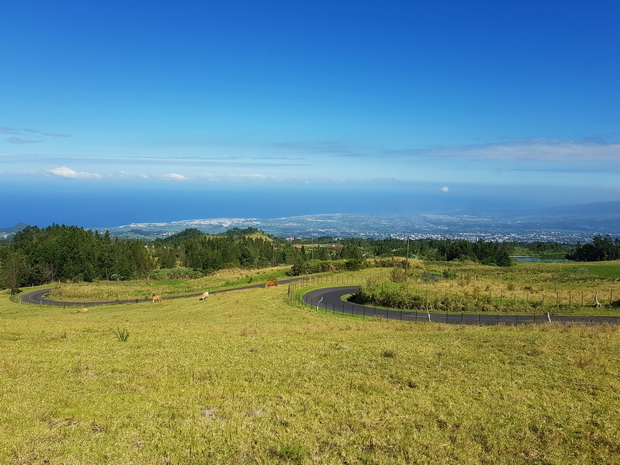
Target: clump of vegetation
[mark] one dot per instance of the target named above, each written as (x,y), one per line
(290,452)
(601,248)
(121,334)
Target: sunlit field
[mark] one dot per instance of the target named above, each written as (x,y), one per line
(246,377)
(525,288)
(145,289)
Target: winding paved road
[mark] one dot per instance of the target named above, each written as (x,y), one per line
(330,299)
(38,297)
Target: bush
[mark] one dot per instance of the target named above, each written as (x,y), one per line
(355,264)
(397,275)
(179,272)
(316,266)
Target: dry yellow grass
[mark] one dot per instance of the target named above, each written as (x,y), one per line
(247,378)
(145,289)
(556,287)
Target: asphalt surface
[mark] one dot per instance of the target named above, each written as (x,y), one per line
(330,299)
(38,297)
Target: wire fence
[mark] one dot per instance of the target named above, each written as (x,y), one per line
(331,301)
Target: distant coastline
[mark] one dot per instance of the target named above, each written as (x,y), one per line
(570,224)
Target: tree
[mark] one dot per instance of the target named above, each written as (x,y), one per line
(14,270)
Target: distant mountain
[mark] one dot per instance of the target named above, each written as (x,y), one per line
(13,229)
(604,209)
(563,224)
(7,233)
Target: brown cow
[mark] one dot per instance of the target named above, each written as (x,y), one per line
(271,283)
(157,298)
(204,295)
(81,310)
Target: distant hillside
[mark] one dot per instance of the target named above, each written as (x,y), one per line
(13,229)
(567,224)
(600,209)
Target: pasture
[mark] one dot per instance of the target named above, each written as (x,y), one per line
(524,288)
(246,377)
(110,291)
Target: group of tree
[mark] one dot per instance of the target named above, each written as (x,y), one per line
(601,248)
(70,253)
(487,253)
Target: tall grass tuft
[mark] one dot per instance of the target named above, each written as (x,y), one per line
(121,334)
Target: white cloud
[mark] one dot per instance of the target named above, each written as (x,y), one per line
(445,189)
(68,173)
(258,177)
(173,177)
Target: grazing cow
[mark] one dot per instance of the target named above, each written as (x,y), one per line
(81,310)
(157,298)
(271,283)
(204,295)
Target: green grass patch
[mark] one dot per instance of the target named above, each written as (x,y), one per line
(172,283)
(524,288)
(246,377)
(604,270)
(111,291)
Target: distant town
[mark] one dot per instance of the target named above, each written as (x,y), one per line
(566,225)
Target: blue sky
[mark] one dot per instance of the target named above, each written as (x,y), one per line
(121,111)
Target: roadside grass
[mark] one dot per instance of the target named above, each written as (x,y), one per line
(245,377)
(559,288)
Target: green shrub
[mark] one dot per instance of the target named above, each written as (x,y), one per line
(179,272)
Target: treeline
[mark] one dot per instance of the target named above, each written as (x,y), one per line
(70,253)
(488,253)
(239,248)
(601,248)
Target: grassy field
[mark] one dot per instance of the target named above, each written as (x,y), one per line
(107,291)
(245,377)
(525,288)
